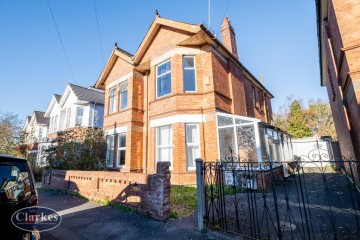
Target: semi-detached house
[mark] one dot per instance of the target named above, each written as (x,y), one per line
(167,101)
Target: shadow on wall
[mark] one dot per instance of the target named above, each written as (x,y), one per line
(146,193)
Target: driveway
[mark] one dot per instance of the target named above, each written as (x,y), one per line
(86,220)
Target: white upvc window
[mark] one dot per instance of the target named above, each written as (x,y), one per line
(192,135)
(68,118)
(110,150)
(189,74)
(123,95)
(121,151)
(55,123)
(163,79)
(112,100)
(40,134)
(164,144)
(79,115)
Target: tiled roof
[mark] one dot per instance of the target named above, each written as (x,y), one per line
(86,94)
(28,118)
(40,119)
(57,97)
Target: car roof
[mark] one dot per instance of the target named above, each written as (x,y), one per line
(11,158)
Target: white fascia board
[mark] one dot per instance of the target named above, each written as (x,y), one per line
(116,130)
(65,96)
(184,118)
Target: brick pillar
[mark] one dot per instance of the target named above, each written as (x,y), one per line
(156,197)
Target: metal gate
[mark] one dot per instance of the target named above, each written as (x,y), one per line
(307,198)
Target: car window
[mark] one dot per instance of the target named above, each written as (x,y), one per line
(14,183)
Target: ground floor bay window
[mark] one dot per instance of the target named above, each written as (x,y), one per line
(252,140)
(116,154)
(164,144)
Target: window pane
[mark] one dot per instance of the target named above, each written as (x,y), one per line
(122,140)
(224,121)
(189,80)
(192,154)
(121,157)
(247,142)
(226,140)
(163,68)
(164,136)
(164,85)
(124,96)
(192,134)
(164,154)
(188,62)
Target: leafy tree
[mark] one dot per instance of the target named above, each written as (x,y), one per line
(315,120)
(78,149)
(297,121)
(10,129)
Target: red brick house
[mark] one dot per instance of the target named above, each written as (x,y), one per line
(162,103)
(339,45)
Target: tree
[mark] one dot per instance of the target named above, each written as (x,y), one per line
(320,120)
(78,149)
(297,121)
(10,130)
(315,120)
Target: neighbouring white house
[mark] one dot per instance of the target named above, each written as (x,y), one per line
(35,132)
(78,106)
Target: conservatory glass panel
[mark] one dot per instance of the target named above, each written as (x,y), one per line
(226,140)
(247,142)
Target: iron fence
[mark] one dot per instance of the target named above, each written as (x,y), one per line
(305,198)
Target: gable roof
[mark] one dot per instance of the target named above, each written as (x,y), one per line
(27,121)
(87,94)
(40,118)
(200,35)
(57,97)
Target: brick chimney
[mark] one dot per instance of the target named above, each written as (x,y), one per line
(228,37)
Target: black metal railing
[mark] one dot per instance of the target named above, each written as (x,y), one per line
(305,198)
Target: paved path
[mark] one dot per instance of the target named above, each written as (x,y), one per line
(86,220)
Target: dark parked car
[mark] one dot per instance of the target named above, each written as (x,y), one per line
(17,190)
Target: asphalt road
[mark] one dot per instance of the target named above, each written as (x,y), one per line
(86,220)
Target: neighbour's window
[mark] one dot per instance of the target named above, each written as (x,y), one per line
(120,160)
(189,74)
(79,115)
(163,78)
(55,123)
(123,95)
(192,144)
(40,134)
(109,150)
(68,117)
(164,143)
(112,100)
(254,96)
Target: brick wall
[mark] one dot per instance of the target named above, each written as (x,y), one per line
(147,193)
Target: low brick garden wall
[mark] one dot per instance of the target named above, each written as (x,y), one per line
(147,193)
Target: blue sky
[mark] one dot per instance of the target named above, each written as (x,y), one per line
(276,38)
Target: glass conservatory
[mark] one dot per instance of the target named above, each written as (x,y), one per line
(252,140)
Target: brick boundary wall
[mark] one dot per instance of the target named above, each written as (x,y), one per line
(148,194)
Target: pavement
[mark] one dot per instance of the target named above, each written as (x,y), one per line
(82,219)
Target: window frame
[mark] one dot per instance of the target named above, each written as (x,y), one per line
(121,95)
(112,98)
(118,165)
(77,116)
(193,68)
(254,96)
(169,146)
(157,76)
(111,161)
(68,118)
(192,144)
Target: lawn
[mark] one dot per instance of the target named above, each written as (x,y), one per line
(183,201)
